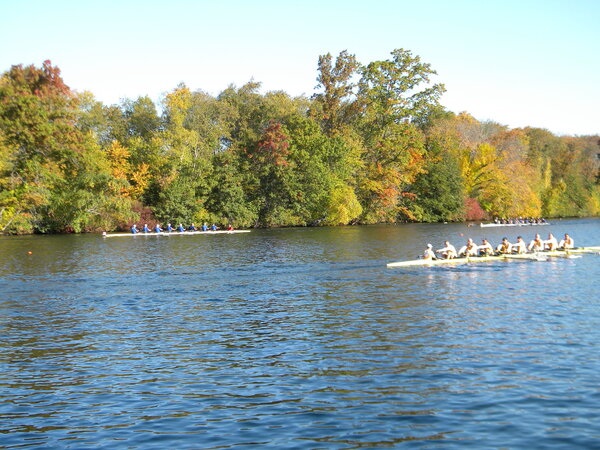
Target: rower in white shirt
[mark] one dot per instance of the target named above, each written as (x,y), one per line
(566,242)
(505,247)
(519,246)
(448,252)
(485,249)
(470,249)
(537,244)
(551,243)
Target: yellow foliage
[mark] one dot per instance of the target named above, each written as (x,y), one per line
(343,206)
(139,180)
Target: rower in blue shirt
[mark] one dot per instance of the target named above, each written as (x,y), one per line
(157,228)
(169,228)
(134,229)
(204,227)
(146,229)
(192,228)
(180,228)
(213,227)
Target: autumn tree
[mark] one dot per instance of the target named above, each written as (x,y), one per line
(55,178)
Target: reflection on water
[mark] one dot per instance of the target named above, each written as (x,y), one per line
(294,338)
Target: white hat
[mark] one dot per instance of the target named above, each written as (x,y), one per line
(429,246)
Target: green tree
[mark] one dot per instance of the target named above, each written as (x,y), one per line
(439,191)
(396,94)
(336,106)
(53,171)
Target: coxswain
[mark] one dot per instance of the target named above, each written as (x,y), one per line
(550,244)
(204,227)
(157,228)
(192,227)
(505,247)
(566,242)
(448,252)
(169,228)
(181,228)
(428,254)
(485,249)
(230,227)
(519,246)
(146,229)
(536,245)
(134,229)
(470,249)
(213,227)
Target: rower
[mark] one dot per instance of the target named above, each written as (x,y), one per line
(213,227)
(146,229)
(169,228)
(204,227)
(157,228)
(505,247)
(519,246)
(448,252)
(536,245)
(469,250)
(180,228)
(230,227)
(551,244)
(192,228)
(134,229)
(566,242)
(485,249)
(428,254)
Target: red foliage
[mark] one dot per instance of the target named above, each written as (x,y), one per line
(272,148)
(474,211)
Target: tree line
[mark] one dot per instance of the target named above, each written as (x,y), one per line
(372,145)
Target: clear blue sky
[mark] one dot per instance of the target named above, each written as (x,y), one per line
(519,63)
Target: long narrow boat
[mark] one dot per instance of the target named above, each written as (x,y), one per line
(172,233)
(483,225)
(475,259)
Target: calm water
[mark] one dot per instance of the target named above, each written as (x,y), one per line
(297,338)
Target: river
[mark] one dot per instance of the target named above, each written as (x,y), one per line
(297,338)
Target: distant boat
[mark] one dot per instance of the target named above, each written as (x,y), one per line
(520,224)
(173,233)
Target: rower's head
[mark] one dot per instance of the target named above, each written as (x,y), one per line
(550,236)
(484,241)
(446,243)
(429,246)
(567,236)
(504,239)
(469,241)
(537,236)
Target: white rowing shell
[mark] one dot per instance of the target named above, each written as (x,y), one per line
(473,259)
(173,233)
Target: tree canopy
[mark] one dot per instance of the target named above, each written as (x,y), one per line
(373,144)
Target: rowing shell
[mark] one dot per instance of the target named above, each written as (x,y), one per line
(173,233)
(475,259)
(512,224)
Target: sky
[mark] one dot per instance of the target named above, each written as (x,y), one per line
(516,62)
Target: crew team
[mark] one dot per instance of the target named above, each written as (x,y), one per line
(505,247)
(169,229)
